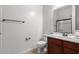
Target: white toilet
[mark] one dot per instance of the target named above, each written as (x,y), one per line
(41,45)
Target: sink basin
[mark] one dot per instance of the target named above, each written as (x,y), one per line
(72,36)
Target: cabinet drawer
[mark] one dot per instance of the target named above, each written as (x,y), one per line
(54,41)
(69,51)
(71,45)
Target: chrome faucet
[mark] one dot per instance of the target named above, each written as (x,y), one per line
(65,34)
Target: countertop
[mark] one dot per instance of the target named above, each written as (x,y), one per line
(62,38)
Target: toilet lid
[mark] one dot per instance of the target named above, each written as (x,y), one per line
(41,42)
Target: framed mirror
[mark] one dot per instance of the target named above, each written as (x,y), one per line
(64,25)
(77,18)
(63,19)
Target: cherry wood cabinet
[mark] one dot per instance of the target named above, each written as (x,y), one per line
(54,46)
(58,46)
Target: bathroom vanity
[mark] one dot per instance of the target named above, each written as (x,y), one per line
(62,45)
(64,22)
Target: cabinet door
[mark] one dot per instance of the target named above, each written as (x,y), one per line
(70,48)
(54,46)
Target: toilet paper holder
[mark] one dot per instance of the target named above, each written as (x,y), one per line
(28,38)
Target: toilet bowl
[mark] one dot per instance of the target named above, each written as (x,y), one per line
(40,47)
